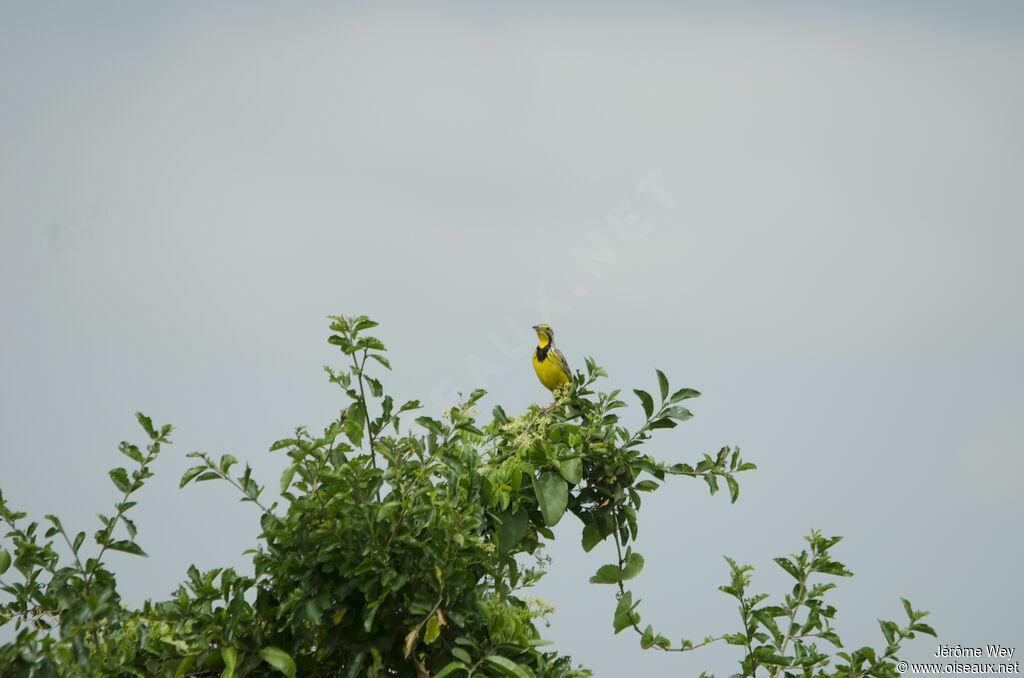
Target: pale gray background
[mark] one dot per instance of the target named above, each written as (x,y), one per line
(186,192)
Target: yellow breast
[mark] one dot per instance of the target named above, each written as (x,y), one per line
(550,370)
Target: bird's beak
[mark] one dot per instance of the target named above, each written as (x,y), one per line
(536,328)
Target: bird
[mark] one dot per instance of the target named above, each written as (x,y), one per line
(549,363)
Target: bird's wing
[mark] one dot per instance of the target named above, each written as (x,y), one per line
(564,363)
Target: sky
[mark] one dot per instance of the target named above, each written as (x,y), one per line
(813,216)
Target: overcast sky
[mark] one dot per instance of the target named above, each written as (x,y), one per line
(813,216)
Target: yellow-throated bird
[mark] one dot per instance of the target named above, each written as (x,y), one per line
(551,366)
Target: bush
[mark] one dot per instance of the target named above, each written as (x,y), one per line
(403,550)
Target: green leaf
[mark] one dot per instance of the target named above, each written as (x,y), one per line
(459,653)
(409,405)
(662,384)
(279,659)
(606,574)
(766,655)
(506,666)
(433,630)
(190,474)
(647,485)
(127,547)
(353,425)
(646,400)
(514,526)
(831,637)
(376,389)
(381,359)
(430,424)
(684,394)
(834,568)
(131,451)
(571,469)
(147,424)
(923,628)
(788,565)
(287,475)
(592,536)
(634,564)
(284,442)
(624,615)
(647,640)
(552,495)
(682,469)
(678,413)
(343,342)
(451,668)
(184,665)
(230,658)
(499,415)
(120,478)
(386,509)
(889,630)
(734,488)
(5,561)
(225,463)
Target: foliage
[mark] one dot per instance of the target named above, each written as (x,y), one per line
(402,551)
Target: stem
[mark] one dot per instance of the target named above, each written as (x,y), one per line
(136,484)
(72,549)
(801,591)
(366,512)
(618,551)
(643,428)
(402,492)
(366,409)
(745,614)
(241,489)
(622,591)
